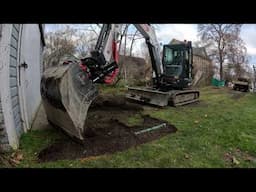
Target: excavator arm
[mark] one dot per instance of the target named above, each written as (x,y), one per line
(102,65)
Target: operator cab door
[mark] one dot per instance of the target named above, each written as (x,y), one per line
(172,62)
(177,61)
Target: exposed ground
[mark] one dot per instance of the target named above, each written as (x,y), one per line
(108,131)
(219,131)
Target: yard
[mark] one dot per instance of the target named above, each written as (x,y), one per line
(219,131)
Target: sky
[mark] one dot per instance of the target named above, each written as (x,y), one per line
(166,32)
(189,32)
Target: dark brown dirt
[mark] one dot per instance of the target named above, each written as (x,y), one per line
(107,131)
(4,161)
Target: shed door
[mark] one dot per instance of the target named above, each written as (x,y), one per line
(30,59)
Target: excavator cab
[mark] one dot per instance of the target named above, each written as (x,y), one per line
(177,66)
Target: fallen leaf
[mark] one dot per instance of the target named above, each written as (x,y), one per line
(14,161)
(4,161)
(238,150)
(228,157)
(19,156)
(16,157)
(248,158)
(235,161)
(89,158)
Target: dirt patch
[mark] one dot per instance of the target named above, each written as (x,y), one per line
(108,131)
(106,138)
(4,161)
(10,160)
(234,157)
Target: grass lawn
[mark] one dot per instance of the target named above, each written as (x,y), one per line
(220,131)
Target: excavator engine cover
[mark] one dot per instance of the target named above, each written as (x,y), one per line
(67,93)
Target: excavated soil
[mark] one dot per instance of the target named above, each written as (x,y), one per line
(107,131)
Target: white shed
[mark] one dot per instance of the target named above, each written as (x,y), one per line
(21,47)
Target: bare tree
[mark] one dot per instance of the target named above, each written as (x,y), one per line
(69,40)
(132,42)
(85,43)
(1,30)
(124,48)
(199,44)
(58,45)
(237,55)
(219,37)
(123,34)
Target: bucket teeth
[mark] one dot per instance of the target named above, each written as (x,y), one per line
(67,93)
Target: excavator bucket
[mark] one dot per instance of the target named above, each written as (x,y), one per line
(67,94)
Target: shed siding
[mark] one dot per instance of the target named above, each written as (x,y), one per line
(14,78)
(13,38)
(3,134)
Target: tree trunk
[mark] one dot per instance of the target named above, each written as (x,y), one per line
(122,35)
(221,70)
(221,60)
(133,38)
(124,65)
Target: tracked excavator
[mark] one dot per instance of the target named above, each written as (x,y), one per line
(69,89)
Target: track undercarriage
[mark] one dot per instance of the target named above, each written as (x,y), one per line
(160,98)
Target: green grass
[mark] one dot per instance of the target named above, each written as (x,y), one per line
(218,125)
(112,89)
(135,120)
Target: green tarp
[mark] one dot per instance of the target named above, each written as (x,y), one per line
(218,83)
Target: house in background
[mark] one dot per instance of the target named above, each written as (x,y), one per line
(202,65)
(21,47)
(134,69)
